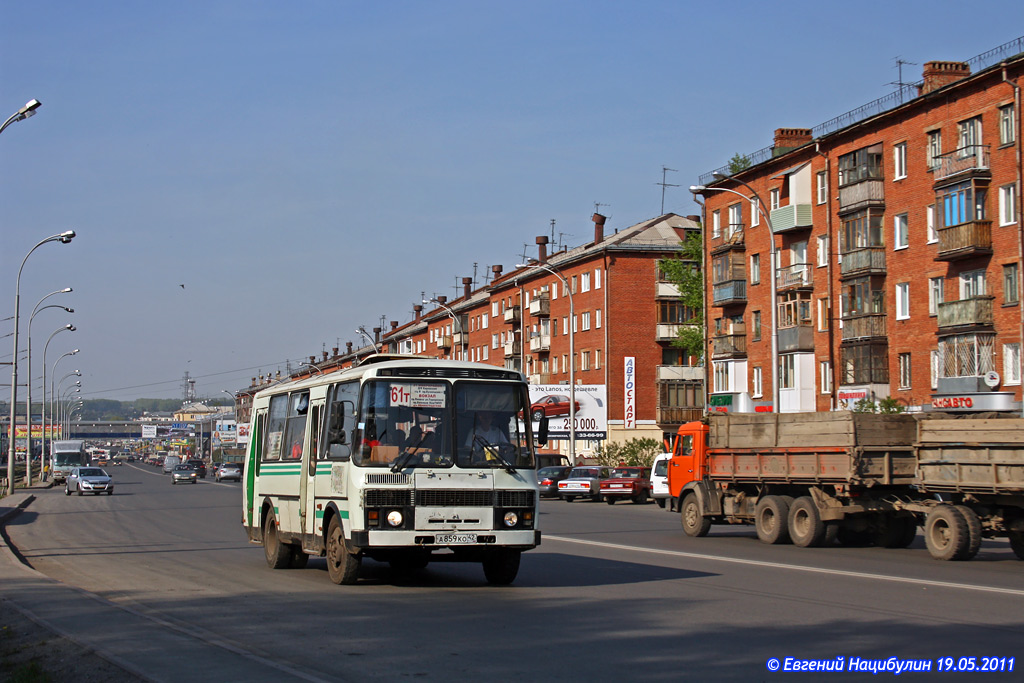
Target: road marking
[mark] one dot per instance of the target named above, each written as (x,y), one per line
(793,567)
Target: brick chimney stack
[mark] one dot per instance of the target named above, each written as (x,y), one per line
(467,287)
(348,347)
(496,272)
(394,325)
(791,138)
(312,359)
(542,249)
(598,226)
(940,74)
(376,334)
(417,311)
(334,352)
(443,299)
(695,219)
(325,355)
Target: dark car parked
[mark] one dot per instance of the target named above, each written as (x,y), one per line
(627,482)
(548,478)
(199,466)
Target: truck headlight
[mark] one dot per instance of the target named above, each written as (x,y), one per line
(511,519)
(395,518)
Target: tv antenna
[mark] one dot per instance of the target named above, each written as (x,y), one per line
(900,85)
(598,205)
(664,170)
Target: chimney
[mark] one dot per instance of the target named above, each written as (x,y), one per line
(467,286)
(695,219)
(334,352)
(253,382)
(348,347)
(598,226)
(496,272)
(376,334)
(312,359)
(418,310)
(542,249)
(940,74)
(790,138)
(278,374)
(443,299)
(325,355)
(394,325)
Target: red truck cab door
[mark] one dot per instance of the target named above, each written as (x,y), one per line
(687,463)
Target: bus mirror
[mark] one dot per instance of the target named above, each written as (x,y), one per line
(542,432)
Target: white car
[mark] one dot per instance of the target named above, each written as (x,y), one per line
(659,478)
(89,480)
(583,482)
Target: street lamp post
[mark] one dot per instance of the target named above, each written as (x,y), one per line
(572,353)
(28,110)
(28,392)
(64,238)
(53,394)
(363,332)
(458,324)
(700,189)
(66,400)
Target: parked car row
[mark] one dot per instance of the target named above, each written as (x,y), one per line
(596,482)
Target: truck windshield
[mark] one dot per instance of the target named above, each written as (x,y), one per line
(74,458)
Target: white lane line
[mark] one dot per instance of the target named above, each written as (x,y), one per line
(792,567)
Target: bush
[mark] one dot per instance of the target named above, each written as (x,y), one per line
(635,452)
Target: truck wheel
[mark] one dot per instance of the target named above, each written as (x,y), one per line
(1017,543)
(973,530)
(501,566)
(771,520)
(896,532)
(694,522)
(342,566)
(805,525)
(278,554)
(946,533)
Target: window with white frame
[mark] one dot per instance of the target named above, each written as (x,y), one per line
(755,269)
(584,360)
(934,148)
(972,284)
(485,351)
(597,319)
(904,363)
(722,376)
(901,233)
(494,309)
(1008,204)
(902,300)
(597,359)
(755,214)
(597,278)
(822,251)
(969,136)
(575,327)
(774,201)
(585,321)
(484,321)
(757,386)
(565,324)
(494,341)
(585,282)
(554,365)
(1011,283)
(1011,364)
(934,294)
(735,219)
(823,314)
(933,234)
(822,187)
(565,363)
(899,160)
(825,376)
(716,223)
(1007,125)
(935,360)
(787,371)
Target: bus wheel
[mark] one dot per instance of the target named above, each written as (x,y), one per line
(278,554)
(501,566)
(694,522)
(298,558)
(771,519)
(342,566)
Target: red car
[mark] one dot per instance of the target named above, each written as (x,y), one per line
(551,405)
(627,482)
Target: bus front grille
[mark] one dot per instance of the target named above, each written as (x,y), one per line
(380,498)
(514,499)
(455,498)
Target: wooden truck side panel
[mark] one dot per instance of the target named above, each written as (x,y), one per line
(853,466)
(971,455)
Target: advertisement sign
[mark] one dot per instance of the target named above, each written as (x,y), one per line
(224,432)
(148,431)
(552,400)
(629,416)
(242,435)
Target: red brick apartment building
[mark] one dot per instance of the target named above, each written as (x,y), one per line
(624,309)
(898,237)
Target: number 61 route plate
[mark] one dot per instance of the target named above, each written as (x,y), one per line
(454,539)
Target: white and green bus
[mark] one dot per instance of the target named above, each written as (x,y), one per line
(402,459)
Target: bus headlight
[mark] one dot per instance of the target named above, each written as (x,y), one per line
(395,518)
(511,519)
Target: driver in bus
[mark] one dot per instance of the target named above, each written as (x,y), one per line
(485,435)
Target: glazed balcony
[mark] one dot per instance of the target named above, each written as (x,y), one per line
(966,240)
(796,276)
(444,341)
(542,378)
(666,332)
(512,348)
(667,290)
(791,218)
(972,160)
(864,261)
(731,237)
(729,292)
(678,416)
(966,312)
(863,326)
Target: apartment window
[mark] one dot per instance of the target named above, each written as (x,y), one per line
(494,309)
(899,159)
(755,324)
(597,278)
(585,321)
(902,300)
(972,284)
(484,351)
(775,199)
(970,135)
(553,289)
(755,269)
(787,371)
(597,359)
(904,362)
(824,313)
(1007,125)
(933,234)
(565,363)
(484,321)
(934,295)
(934,369)
(934,148)
(1011,283)
(862,229)
(597,319)
(757,386)
(1008,204)
(673,312)
(575,327)
(585,360)
(901,234)
(822,251)
(574,289)
(864,164)
(716,223)
(554,365)
(565,324)
(585,282)
(962,203)
(1011,363)
(735,219)
(822,185)
(825,376)
(755,213)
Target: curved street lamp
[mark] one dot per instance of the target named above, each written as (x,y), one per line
(25,112)
(75,388)
(458,324)
(53,394)
(363,332)
(303,364)
(64,238)
(28,392)
(572,351)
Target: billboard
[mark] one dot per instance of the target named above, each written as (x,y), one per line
(148,431)
(552,400)
(224,433)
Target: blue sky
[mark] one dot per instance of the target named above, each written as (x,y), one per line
(305,168)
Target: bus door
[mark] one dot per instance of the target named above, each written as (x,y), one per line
(307,482)
(252,464)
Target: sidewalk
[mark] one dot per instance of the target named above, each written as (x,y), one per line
(144,646)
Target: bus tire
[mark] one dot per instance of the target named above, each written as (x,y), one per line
(1017,543)
(973,530)
(342,566)
(501,566)
(694,522)
(805,525)
(278,554)
(771,518)
(298,560)
(946,533)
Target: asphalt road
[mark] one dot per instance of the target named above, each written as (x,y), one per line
(614,592)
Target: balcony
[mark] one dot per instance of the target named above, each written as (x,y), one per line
(540,344)
(795,276)
(729,292)
(667,290)
(512,348)
(865,261)
(444,341)
(678,416)
(792,217)
(862,195)
(796,338)
(729,346)
(966,161)
(540,307)
(863,326)
(667,332)
(966,240)
(460,338)
(730,238)
(512,314)
(668,373)
(966,312)
(542,378)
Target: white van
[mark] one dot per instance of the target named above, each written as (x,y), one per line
(659,478)
(170,462)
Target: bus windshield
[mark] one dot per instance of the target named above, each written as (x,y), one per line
(433,424)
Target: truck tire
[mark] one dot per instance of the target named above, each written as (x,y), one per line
(805,526)
(1017,543)
(973,530)
(946,533)
(771,520)
(694,522)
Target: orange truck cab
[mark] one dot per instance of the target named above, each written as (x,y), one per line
(689,462)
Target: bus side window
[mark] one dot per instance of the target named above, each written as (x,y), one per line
(341,421)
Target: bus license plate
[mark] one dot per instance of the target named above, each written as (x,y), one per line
(454,539)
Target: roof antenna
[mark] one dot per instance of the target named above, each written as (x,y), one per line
(664,170)
(900,85)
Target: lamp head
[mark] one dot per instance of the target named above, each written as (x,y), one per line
(719,175)
(30,108)
(71,327)
(67,236)
(73,352)
(69,310)
(66,290)
(697,189)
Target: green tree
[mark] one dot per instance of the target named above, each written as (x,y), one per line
(635,452)
(685,271)
(738,163)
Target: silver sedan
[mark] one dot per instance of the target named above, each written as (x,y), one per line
(88,480)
